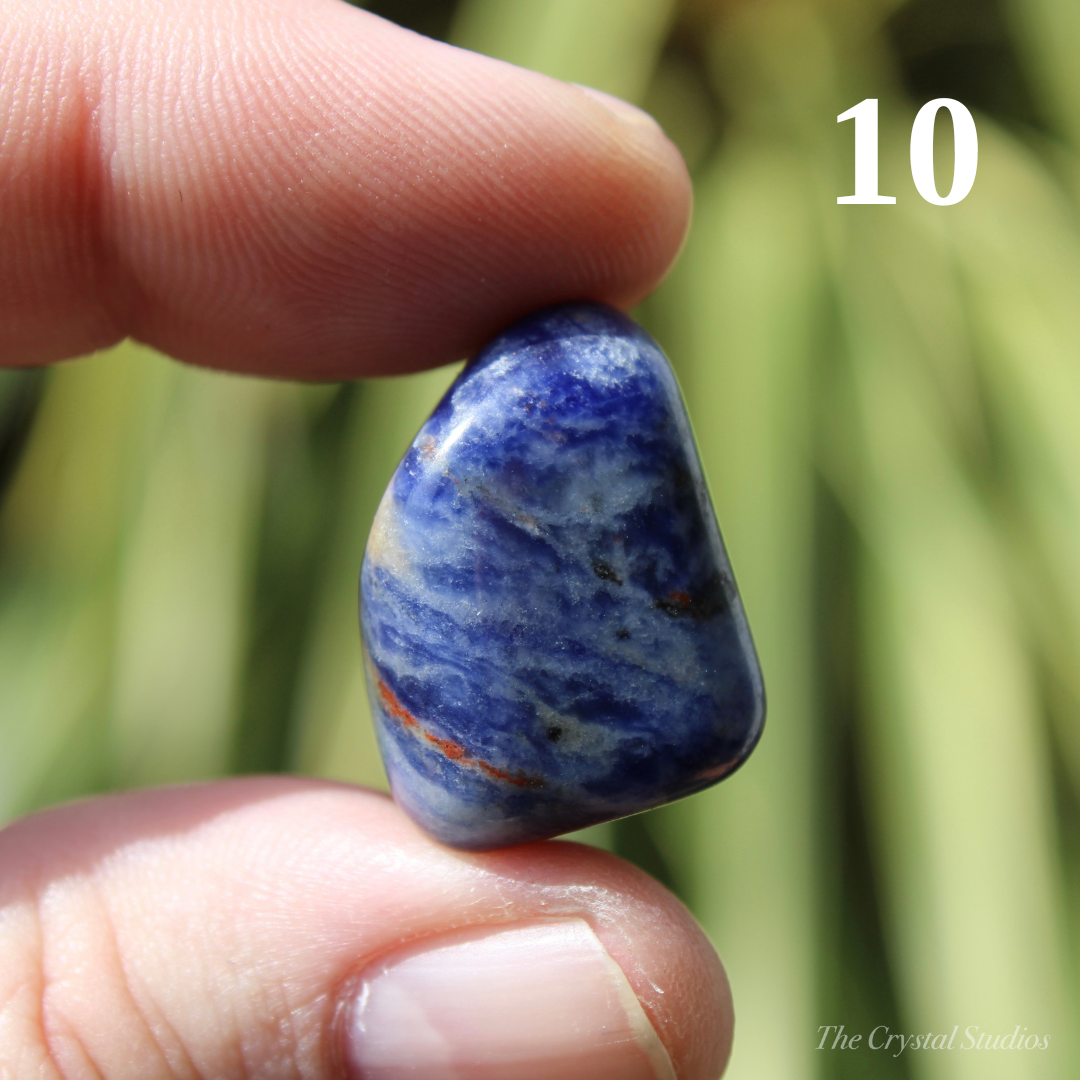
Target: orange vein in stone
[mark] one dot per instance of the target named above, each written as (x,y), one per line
(451,749)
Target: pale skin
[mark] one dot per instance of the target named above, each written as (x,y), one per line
(296,188)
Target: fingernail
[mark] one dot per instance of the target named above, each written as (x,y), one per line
(535,1001)
(626,112)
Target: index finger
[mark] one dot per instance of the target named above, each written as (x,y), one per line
(299,188)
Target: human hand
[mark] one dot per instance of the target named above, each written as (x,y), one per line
(300,189)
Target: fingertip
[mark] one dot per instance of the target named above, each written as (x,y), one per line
(466,193)
(278,898)
(309,191)
(672,966)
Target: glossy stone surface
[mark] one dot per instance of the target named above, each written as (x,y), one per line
(553,636)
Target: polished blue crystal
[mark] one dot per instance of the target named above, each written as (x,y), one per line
(553,637)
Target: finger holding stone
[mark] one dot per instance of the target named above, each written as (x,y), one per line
(291,928)
(300,188)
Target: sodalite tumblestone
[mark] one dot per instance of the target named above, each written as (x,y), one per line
(553,636)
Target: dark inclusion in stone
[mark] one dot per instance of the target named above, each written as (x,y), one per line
(553,636)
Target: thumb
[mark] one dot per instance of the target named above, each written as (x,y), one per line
(300,188)
(279,927)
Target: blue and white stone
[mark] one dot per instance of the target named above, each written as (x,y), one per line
(553,636)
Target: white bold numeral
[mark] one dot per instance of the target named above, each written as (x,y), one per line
(865,115)
(965,154)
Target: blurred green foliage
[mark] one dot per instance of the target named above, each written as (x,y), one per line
(887,402)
